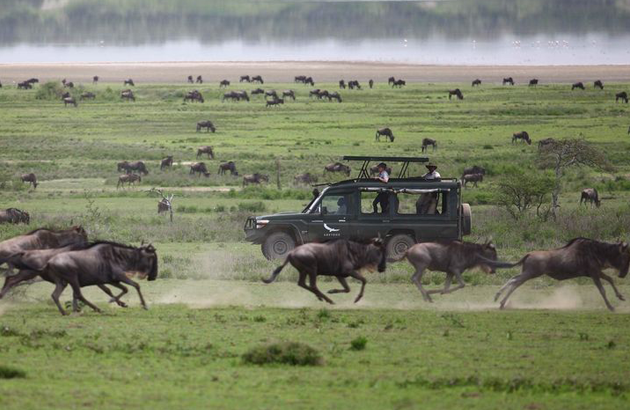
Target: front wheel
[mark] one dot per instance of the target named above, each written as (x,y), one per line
(398,245)
(278,245)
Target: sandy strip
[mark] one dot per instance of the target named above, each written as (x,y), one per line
(321,71)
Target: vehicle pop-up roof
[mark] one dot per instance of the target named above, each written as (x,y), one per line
(365,167)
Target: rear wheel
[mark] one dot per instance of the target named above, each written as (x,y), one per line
(466,219)
(398,245)
(278,245)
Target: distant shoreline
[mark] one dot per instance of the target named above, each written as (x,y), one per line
(321,71)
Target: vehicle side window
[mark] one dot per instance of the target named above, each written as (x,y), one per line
(377,202)
(335,204)
(422,204)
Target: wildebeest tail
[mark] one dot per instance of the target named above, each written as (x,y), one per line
(502,265)
(276,272)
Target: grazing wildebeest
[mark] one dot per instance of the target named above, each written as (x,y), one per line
(14,216)
(428,141)
(193,96)
(342,84)
(257,79)
(399,83)
(42,238)
(323,94)
(128,179)
(623,96)
(199,167)
(208,125)
(315,93)
(199,79)
(386,132)
(306,178)
(453,258)
(0,84)
(581,257)
(207,149)
(590,195)
(391,80)
(71,101)
(258,91)
(129,82)
(255,179)
(334,96)
(375,171)
(224,83)
(66,95)
(476,82)
(228,166)
(88,96)
(127,95)
(166,163)
(337,167)
(354,84)
(508,80)
(241,95)
(577,85)
(523,136)
(137,166)
(309,80)
(190,79)
(30,178)
(102,263)
(547,142)
(340,258)
(300,79)
(231,95)
(24,86)
(474,178)
(371,83)
(95,79)
(289,94)
(69,84)
(276,102)
(272,93)
(533,82)
(244,78)
(456,92)
(32,81)
(474,170)
(598,84)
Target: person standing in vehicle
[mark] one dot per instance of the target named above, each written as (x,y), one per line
(383,197)
(432,174)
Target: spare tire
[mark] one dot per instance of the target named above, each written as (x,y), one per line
(466,221)
(397,245)
(278,245)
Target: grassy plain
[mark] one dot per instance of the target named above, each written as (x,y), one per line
(208,307)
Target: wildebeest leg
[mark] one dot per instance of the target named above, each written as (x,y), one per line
(516,282)
(507,284)
(346,288)
(11,281)
(111,295)
(312,278)
(59,287)
(361,278)
(76,288)
(460,281)
(417,279)
(610,280)
(447,285)
(130,282)
(302,284)
(602,291)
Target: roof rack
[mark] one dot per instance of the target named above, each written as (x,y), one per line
(404,171)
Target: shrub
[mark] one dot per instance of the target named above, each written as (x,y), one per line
(51,90)
(7,372)
(291,353)
(359,343)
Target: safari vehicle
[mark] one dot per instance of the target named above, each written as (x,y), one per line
(419,210)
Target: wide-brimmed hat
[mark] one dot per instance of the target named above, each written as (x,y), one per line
(431,165)
(382,165)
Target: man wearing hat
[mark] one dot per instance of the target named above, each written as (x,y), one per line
(432,174)
(383,197)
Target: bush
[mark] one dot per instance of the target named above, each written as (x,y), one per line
(291,353)
(359,343)
(51,90)
(521,190)
(7,372)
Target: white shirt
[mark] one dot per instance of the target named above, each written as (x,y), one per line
(432,175)
(384,176)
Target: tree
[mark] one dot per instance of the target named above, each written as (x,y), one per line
(521,191)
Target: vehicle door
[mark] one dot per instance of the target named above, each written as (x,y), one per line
(333,217)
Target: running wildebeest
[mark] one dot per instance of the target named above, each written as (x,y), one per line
(337,167)
(474,178)
(399,83)
(476,82)
(255,179)
(95,79)
(193,96)
(598,84)
(137,166)
(289,94)
(533,82)
(190,79)
(257,79)
(334,96)
(590,195)
(523,136)
(306,178)
(14,216)
(30,178)
(208,125)
(258,91)
(371,83)
(199,80)
(128,179)
(71,101)
(24,86)
(456,92)
(354,84)
(508,80)
(428,141)
(623,96)
(386,132)
(275,102)
(577,85)
(342,84)
(129,82)
(581,257)
(228,166)
(224,83)
(339,258)
(474,170)
(127,95)
(391,80)
(200,168)
(453,258)
(207,149)
(102,263)
(244,78)
(166,163)
(547,142)
(88,96)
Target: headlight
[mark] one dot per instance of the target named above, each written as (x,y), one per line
(261,223)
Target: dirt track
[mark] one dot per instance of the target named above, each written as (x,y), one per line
(319,70)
